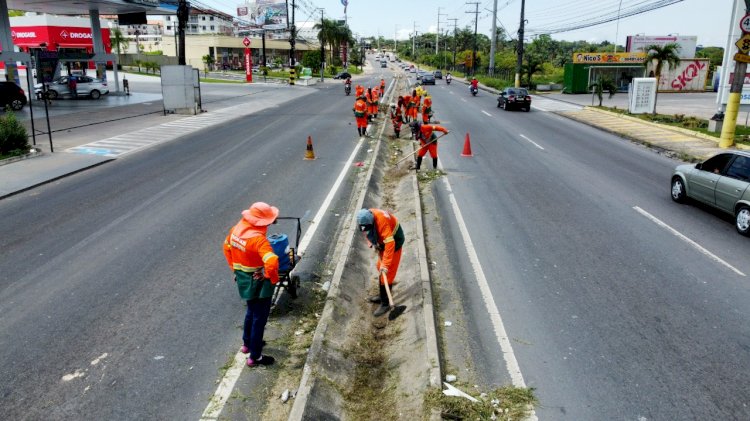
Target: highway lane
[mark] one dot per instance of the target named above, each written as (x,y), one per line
(610,315)
(115,298)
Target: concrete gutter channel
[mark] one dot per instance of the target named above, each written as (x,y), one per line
(411,363)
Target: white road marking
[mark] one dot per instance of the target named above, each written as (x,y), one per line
(487,113)
(682,237)
(534,143)
(511,363)
(463,99)
(539,108)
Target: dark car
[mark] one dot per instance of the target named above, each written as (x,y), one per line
(514,98)
(428,79)
(343,75)
(11,95)
(722,182)
(438,74)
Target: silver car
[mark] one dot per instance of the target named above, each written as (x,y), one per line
(721,181)
(86,87)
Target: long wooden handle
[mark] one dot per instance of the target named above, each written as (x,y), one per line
(387,289)
(420,147)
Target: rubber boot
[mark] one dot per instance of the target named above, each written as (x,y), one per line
(434,163)
(384,307)
(377,299)
(419,162)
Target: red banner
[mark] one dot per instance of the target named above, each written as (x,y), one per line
(248,66)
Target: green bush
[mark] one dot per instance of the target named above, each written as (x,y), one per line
(13,137)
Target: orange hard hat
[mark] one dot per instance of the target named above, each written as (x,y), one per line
(261,214)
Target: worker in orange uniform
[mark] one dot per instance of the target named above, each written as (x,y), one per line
(375,102)
(415,99)
(382,87)
(396,117)
(385,234)
(360,114)
(256,272)
(425,133)
(407,107)
(427,110)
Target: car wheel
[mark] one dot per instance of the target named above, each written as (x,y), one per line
(527,109)
(53,94)
(678,190)
(498,104)
(505,106)
(742,220)
(16,104)
(95,94)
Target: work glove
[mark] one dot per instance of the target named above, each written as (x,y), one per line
(384,271)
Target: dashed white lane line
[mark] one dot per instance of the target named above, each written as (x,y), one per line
(485,112)
(684,238)
(532,142)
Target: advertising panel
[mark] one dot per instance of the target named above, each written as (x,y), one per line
(595,58)
(688,76)
(636,43)
(269,14)
(642,95)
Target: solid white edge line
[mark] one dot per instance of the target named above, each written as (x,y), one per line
(487,113)
(220,397)
(539,108)
(511,363)
(682,237)
(534,143)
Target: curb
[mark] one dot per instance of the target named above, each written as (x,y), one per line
(34,152)
(56,178)
(650,123)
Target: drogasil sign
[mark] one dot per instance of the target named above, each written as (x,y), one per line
(75,35)
(22,35)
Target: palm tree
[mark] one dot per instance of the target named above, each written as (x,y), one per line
(666,54)
(118,40)
(603,84)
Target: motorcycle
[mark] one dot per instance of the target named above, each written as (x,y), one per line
(474,90)
(348,88)
(448,80)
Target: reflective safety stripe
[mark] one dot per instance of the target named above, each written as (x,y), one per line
(238,266)
(268,256)
(390,237)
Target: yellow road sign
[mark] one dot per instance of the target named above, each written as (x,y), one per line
(742,58)
(743,44)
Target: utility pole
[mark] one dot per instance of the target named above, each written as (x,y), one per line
(183,13)
(455,35)
(493,42)
(729,127)
(474,47)
(395,39)
(322,49)
(414,41)
(437,33)
(519,48)
(292,38)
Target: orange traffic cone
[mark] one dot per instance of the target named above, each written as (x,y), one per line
(310,154)
(467,146)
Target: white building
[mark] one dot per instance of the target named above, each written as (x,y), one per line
(201,21)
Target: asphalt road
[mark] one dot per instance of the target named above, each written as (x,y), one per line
(116,300)
(610,315)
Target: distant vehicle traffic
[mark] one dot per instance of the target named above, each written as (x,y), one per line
(438,74)
(428,79)
(383,63)
(514,98)
(11,95)
(342,75)
(721,182)
(86,87)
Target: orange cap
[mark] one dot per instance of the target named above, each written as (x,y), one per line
(260,214)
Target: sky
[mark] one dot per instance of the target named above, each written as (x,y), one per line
(709,20)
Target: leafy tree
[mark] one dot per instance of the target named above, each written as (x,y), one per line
(15,13)
(208,61)
(661,55)
(715,55)
(118,40)
(603,84)
(311,59)
(13,137)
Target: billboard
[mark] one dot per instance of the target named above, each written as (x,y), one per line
(268,14)
(637,43)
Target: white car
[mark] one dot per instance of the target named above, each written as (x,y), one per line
(86,87)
